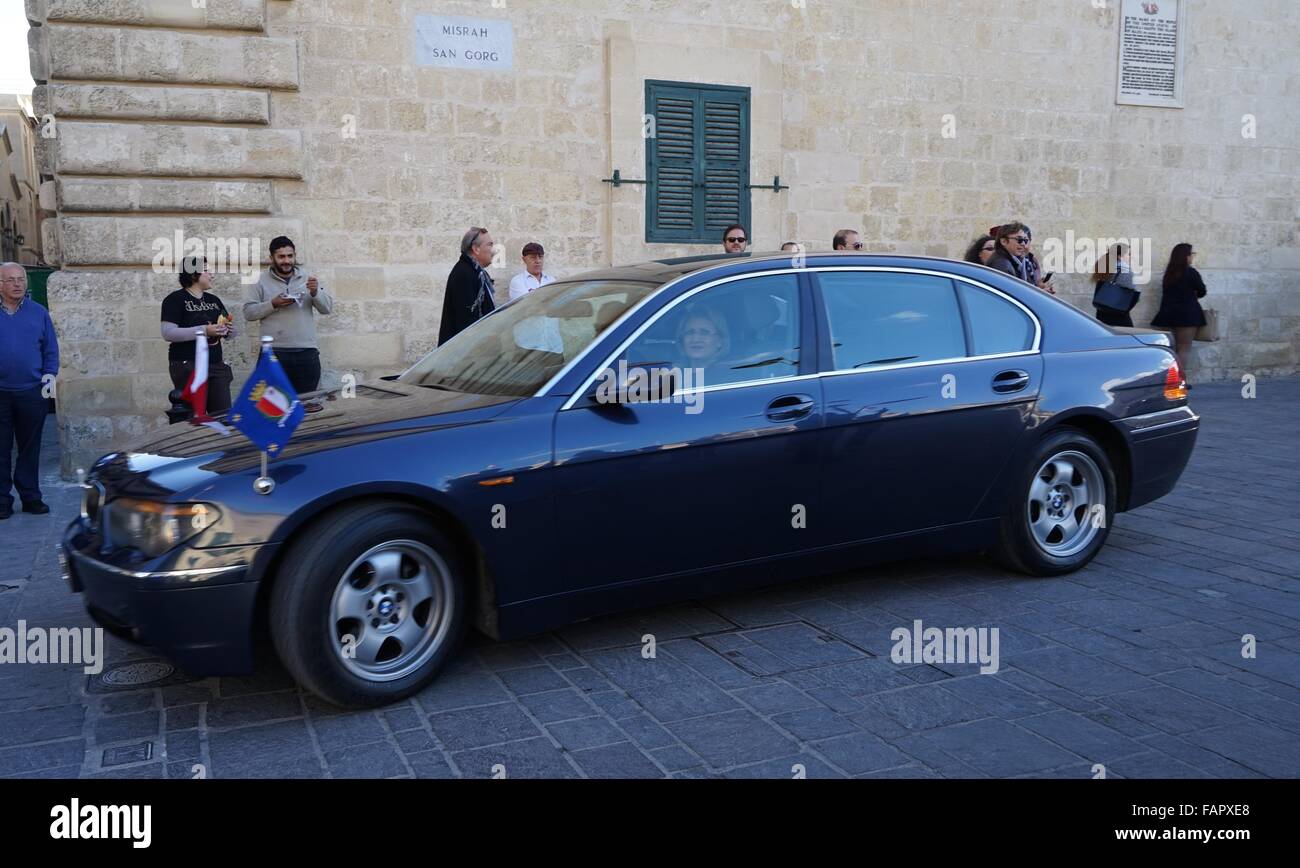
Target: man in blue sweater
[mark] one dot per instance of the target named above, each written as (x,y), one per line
(29,361)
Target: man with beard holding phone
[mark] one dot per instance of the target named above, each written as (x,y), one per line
(285,300)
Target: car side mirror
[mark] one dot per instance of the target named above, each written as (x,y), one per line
(637,383)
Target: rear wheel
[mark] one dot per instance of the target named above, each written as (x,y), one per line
(1061,506)
(369,605)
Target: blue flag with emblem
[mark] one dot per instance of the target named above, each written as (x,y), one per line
(267,410)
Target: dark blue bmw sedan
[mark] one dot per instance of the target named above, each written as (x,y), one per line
(631,437)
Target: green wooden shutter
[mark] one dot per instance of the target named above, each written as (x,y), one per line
(697,163)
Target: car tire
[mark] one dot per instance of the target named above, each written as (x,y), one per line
(1057,519)
(369,604)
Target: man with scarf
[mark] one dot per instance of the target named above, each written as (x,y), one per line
(1013,256)
(469,287)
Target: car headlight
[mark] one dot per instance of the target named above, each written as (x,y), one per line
(152,527)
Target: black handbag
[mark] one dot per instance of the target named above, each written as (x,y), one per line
(1110,295)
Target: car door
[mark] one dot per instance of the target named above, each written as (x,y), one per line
(929,384)
(716,475)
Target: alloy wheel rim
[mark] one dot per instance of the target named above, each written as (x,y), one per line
(391,610)
(1066,506)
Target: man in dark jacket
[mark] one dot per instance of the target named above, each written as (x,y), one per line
(1013,257)
(469,287)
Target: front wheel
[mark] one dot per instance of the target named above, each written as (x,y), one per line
(1061,507)
(369,605)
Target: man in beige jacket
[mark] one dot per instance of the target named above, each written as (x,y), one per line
(286,300)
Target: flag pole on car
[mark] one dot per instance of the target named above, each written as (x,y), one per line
(267,411)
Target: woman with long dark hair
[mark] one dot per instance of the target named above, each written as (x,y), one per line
(982,250)
(1180,307)
(1114,268)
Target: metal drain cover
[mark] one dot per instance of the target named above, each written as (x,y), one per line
(133,753)
(137,675)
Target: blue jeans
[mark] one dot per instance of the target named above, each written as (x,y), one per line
(22,418)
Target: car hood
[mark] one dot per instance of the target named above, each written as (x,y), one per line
(184,454)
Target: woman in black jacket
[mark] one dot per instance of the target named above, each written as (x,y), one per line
(1180,307)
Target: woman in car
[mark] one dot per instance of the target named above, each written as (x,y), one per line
(703,340)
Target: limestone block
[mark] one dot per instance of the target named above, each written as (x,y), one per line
(162,149)
(157,103)
(232,245)
(82,438)
(118,54)
(226,14)
(37,55)
(362,351)
(97,395)
(138,194)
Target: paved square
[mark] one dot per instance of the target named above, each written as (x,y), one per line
(1134,663)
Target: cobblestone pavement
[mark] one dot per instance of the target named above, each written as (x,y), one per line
(1134,663)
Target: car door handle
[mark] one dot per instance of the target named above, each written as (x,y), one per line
(789,407)
(1010,381)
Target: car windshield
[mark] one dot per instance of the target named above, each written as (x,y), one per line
(515,350)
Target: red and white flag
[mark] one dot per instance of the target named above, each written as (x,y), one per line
(196,390)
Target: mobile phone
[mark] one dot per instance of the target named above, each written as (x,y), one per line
(1049,276)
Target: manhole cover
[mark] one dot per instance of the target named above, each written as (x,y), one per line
(136,675)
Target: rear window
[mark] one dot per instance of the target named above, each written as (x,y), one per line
(885,318)
(997,326)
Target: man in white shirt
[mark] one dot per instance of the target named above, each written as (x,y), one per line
(534,277)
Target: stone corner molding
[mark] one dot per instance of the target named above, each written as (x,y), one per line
(38,55)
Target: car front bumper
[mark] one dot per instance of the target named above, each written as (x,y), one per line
(195,607)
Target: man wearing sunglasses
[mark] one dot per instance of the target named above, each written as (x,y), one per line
(470,290)
(735,239)
(1012,255)
(847,240)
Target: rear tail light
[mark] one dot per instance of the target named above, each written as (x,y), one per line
(1175,385)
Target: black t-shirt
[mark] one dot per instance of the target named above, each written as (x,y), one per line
(186,311)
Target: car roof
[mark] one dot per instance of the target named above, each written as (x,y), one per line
(663,271)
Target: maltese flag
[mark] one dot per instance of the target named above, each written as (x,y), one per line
(196,390)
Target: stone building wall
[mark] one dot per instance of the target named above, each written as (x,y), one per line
(254,118)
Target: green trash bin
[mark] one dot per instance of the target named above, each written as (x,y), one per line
(37,278)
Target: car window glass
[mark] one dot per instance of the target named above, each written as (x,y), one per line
(885,318)
(738,332)
(516,349)
(997,325)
